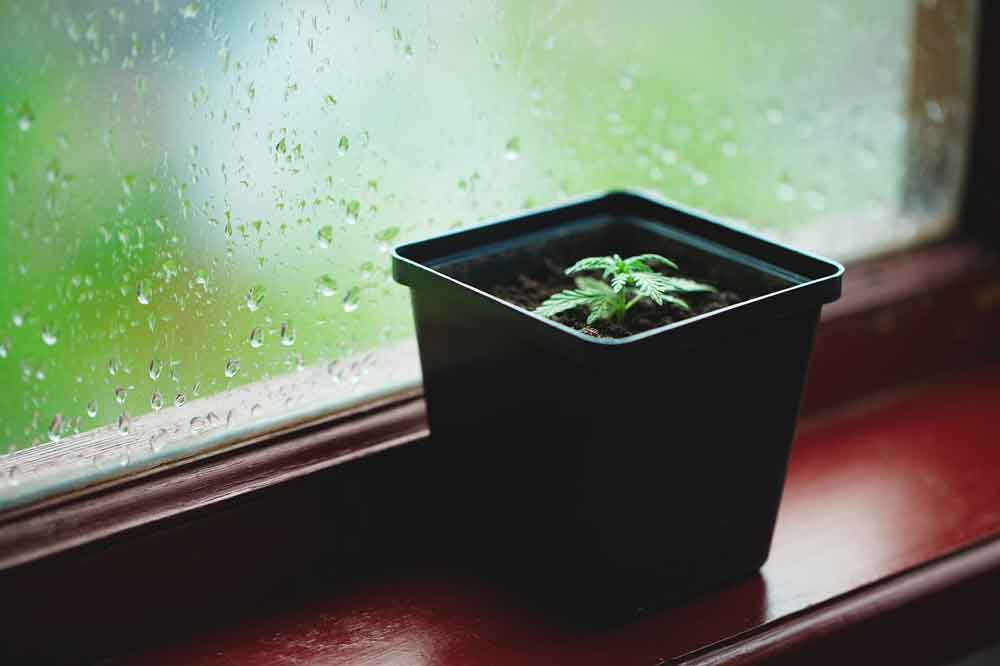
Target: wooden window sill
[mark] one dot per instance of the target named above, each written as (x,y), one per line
(887,530)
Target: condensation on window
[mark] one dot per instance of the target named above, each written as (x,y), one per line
(199,197)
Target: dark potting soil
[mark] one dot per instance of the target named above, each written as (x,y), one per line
(530,290)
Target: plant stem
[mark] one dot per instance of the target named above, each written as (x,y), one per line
(638,297)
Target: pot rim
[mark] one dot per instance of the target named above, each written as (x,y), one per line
(825,285)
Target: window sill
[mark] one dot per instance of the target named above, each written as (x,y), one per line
(889,527)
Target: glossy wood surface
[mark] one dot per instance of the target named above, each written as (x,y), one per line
(877,494)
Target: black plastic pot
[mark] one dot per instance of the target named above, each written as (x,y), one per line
(637,468)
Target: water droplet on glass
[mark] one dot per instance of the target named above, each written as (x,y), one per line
(325,235)
(92,408)
(155,368)
(180,399)
(343,145)
(330,99)
(142,291)
(56,428)
(256,337)
(352,211)
(513,149)
(935,112)
(4,347)
(198,424)
(255,296)
(867,155)
(281,147)
(352,299)
(232,367)
(256,410)
(388,234)
(112,366)
(49,335)
(123,423)
(156,401)
(815,199)
(158,439)
(25,117)
(785,191)
(287,334)
(120,395)
(190,10)
(326,285)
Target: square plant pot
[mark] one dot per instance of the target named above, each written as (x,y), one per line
(628,469)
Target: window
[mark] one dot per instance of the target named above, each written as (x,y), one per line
(200,196)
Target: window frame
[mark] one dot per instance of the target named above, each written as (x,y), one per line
(881,295)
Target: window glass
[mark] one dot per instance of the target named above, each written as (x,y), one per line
(199,197)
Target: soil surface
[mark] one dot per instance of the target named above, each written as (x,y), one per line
(531,290)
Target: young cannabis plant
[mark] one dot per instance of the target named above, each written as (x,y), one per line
(625,282)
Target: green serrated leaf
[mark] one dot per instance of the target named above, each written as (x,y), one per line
(679,302)
(650,285)
(590,293)
(685,285)
(655,286)
(619,281)
(605,310)
(590,264)
(593,286)
(626,281)
(636,266)
(648,259)
(564,300)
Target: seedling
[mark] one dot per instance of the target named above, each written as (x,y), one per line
(624,283)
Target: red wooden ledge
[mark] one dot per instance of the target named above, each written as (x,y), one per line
(890,513)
